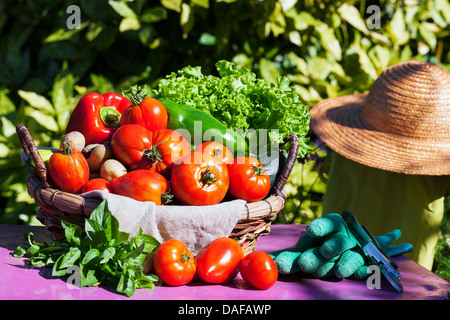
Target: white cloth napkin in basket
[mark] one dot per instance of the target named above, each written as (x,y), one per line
(196,226)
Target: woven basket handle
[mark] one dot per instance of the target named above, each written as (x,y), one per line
(29,147)
(286,170)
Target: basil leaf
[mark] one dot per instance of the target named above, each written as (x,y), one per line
(91,257)
(127,284)
(94,232)
(106,255)
(66,260)
(72,233)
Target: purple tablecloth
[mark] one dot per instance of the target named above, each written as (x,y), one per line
(20,281)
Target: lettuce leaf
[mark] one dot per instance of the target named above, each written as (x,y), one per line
(241,101)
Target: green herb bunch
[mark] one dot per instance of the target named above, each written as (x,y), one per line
(104,256)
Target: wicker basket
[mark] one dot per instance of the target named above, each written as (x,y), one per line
(56,205)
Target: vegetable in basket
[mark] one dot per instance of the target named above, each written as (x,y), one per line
(143,185)
(168,147)
(217,151)
(145,111)
(198,126)
(131,145)
(199,180)
(68,169)
(248,179)
(241,101)
(97,116)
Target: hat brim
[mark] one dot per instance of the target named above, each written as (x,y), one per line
(337,122)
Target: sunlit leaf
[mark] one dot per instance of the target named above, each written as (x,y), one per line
(186,18)
(207,39)
(46,121)
(303,20)
(64,33)
(122,9)
(129,23)
(8,128)
(37,101)
(268,70)
(329,41)
(351,15)
(154,14)
(398,28)
(201,3)
(319,68)
(174,5)
(428,35)
(277,21)
(7,106)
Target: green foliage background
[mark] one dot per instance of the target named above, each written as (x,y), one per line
(325,47)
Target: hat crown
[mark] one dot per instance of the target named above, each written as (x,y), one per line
(410,99)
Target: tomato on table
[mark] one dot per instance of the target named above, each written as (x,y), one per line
(199,180)
(68,169)
(259,270)
(218,262)
(174,263)
(248,179)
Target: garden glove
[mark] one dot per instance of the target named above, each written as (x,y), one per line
(329,248)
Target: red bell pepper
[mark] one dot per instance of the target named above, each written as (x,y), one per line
(97,116)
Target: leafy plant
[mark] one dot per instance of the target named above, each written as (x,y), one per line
(105,256)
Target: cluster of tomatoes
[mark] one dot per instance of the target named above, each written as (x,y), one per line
(142,159)
(218,262)
(124,147)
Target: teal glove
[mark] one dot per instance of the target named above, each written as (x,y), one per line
(329,248)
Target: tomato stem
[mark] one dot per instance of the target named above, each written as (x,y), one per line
(154,154)
(166,198)
(208,176)
(67,150)
(259,170)
(136,95)
(185,257)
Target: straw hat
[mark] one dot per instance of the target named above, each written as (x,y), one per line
(401,125)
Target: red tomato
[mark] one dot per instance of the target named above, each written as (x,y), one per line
(199,181)
(142,185)
(97,184)
(145,111)
(218,262)
(259,270)
(168,146)
(174,264)
(131,145)
(68,169)
(216,150)
(248,180)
